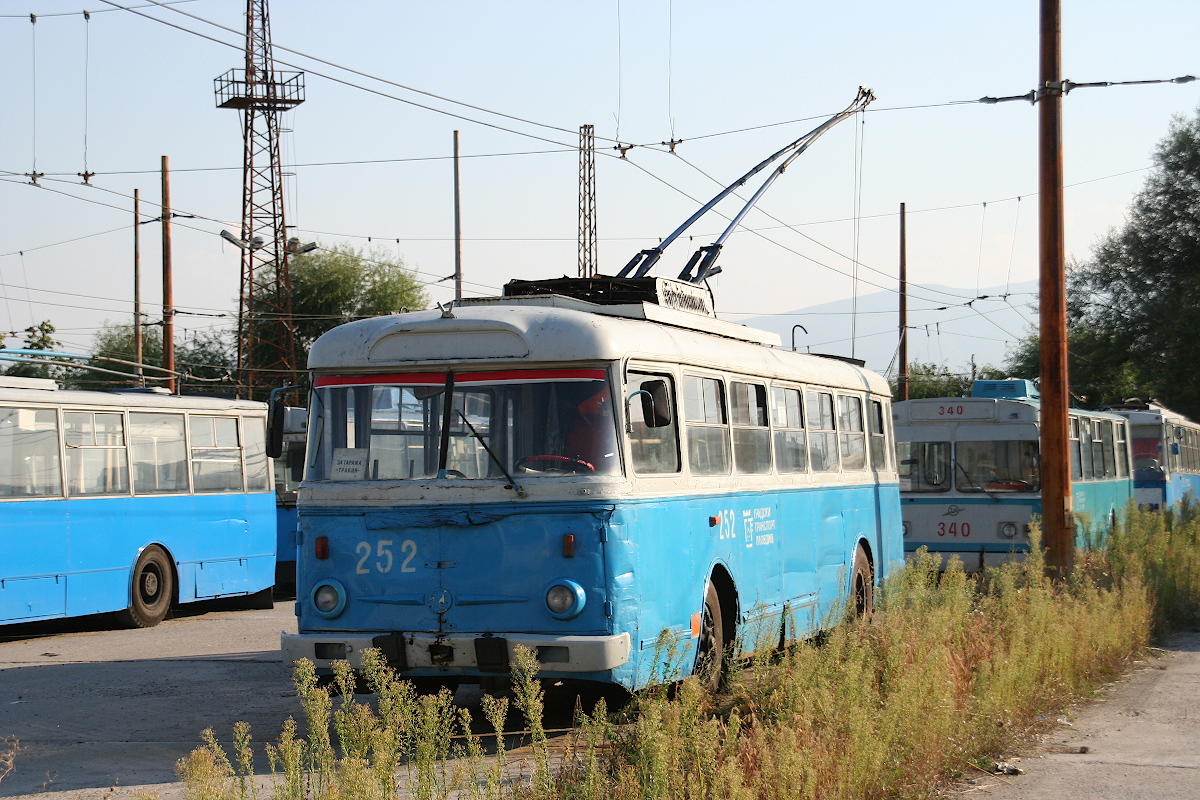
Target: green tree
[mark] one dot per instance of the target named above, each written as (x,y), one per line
(38,337)
(928,379)
(344,283)
(204,358)
(1134,301)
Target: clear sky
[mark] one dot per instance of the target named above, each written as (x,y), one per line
(642,72)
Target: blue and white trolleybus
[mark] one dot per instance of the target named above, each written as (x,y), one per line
(130,502)
(970,475)
(578,467)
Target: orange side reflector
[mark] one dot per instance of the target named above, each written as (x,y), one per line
(568,545)
(714,522)
(321,547)
(696,625)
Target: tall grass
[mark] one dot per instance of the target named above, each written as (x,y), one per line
(952,669)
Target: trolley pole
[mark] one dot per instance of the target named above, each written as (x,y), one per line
(902,377)
(137,280)
(168,344)
(1057,523)
(457,228)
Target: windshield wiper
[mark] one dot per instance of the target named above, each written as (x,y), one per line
(974,482)
(515,486)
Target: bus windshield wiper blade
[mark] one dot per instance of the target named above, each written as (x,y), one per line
(515,486)
(974,482)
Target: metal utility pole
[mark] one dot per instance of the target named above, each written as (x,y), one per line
(137,280)
(1057,523)
(588,255)
(266,333)
(168,344)
(902,378)
(457,228)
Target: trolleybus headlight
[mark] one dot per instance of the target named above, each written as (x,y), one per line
(329,598)
(565,598)
(907,528)
(1008,530)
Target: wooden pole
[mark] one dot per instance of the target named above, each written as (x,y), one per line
(1057,524)
(902,379)
(168,301)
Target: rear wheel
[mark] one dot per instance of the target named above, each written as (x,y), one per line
(862,587)
(710,655)
(151,591)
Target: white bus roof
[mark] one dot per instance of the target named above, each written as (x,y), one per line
(74,397)
(557,329)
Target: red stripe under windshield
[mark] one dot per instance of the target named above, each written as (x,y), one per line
(437,378)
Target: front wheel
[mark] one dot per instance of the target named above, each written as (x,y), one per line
(151,591)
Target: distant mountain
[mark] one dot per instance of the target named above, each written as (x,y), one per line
(942,328)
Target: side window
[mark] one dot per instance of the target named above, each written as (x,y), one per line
(707,432)
(254,434)
(29,464)
(95,453)
(851,439)
(159,453)
(786,417)
(1110,460)
(878,436)
(1085,449)
(751,438)
(216,454)
(1122,451)
(822,440)
(653,424)
(1076,458)
(1102,459)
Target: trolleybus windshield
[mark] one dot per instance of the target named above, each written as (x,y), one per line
(534,422)
(998,466)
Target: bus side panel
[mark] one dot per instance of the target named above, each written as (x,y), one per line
(229,535)
(34,543)
(888,549)
(286,523)
(1182,484)
(1098,504)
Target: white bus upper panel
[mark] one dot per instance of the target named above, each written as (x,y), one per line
(139,400)
(515,331)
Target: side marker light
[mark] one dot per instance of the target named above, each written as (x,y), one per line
(568,545)
(321,547)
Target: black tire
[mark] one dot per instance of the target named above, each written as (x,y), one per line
(862,587)
(710,650)
(152,589)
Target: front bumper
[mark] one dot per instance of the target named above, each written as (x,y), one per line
(461,652)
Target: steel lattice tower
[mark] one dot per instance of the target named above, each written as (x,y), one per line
(588,257)
(266,354)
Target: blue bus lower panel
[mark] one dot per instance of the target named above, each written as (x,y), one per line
(74,557)
(440,580)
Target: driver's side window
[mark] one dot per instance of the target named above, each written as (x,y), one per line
(653,425)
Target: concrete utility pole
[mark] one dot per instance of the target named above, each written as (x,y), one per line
(137,279)
(902,377)
(457,228)
(1057,520)
(168,299)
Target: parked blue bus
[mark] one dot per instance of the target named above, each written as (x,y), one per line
(970,475)
(130,502)
(1166,454)
(289,470)
(592,479)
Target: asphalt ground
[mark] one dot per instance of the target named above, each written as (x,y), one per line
(94,707)
(1140,739)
